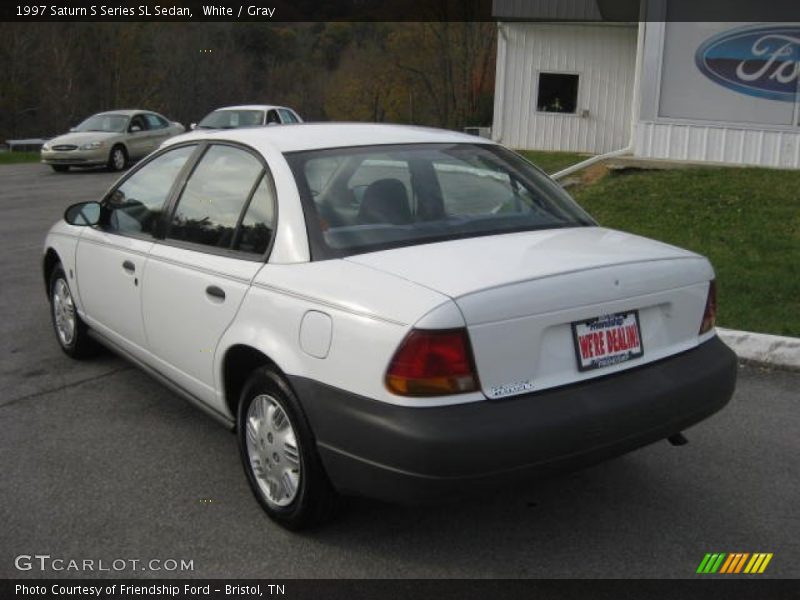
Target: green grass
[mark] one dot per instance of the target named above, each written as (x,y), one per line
(746,221)
(551,162)
(10,158)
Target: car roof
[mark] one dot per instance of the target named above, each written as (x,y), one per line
(316,136)
(250,107)
(125,111)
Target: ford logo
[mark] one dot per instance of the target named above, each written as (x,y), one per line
(761,61)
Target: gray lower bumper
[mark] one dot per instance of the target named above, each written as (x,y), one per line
(414,455)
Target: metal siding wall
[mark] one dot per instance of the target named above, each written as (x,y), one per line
(759,147)
(603,56)
(698,139)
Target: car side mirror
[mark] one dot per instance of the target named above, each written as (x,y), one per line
(192,125)
(135,129)
(83,213)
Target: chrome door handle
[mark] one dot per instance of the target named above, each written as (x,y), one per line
(129,266)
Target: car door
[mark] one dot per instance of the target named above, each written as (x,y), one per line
(110,258)
(198,275)
(138,137)
(158,130)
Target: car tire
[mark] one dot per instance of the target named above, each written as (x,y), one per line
(71,332)
(279,454)
(117,158)
(60,168)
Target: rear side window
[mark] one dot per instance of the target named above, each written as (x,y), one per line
(136,206)
(287,116)
(257,228)
(214,197)
(154,121)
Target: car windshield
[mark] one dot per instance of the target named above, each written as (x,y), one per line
(111,123)
(372,198)
(231,119)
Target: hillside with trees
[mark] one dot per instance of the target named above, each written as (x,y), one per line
(52,75)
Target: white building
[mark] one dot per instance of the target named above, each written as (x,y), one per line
(698,91)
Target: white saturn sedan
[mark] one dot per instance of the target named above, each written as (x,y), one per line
(389,311)
(247,115)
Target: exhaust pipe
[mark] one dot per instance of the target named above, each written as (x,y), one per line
(678,439)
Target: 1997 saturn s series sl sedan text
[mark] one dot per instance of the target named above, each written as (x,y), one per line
(389,311)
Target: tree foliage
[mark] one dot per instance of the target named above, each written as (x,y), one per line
(435,73)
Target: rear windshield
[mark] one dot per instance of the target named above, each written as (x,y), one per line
(232,119)
(363,199)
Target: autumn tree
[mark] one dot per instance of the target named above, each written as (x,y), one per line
(435,73)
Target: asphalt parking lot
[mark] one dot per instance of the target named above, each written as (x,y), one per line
(101,462)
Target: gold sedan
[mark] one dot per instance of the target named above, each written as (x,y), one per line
(114,138)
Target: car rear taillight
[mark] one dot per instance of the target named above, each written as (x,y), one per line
(433,362)
(710,313)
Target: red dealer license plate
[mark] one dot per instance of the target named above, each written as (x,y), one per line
(607,340)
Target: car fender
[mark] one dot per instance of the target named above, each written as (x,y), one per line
(323,336)
(118,141)
(110,143)
(63,240)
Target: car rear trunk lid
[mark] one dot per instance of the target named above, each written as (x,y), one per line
(526,299)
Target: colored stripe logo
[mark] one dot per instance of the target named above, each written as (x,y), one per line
(734,563)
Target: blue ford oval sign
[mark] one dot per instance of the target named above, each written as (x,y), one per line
(761,61)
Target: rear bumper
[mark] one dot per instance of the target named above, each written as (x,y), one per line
(414,455)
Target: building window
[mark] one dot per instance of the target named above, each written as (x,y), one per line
(558,93)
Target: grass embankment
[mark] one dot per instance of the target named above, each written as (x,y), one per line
(12,158)
(745,220)
(550,162)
